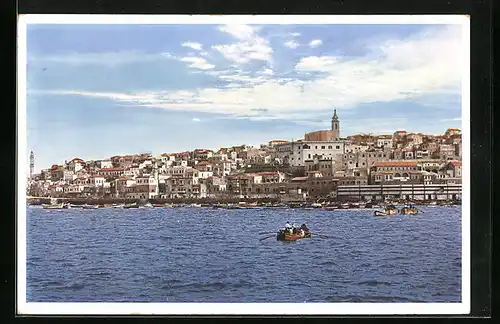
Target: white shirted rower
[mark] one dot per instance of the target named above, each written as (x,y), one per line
(287,225)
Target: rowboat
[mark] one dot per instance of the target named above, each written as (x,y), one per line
(387,212)
(55,206)
(409,211)
(158,205)
(284,235)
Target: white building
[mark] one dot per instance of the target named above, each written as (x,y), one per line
(385,141)
(295,153)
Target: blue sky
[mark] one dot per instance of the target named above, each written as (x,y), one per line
(100,90)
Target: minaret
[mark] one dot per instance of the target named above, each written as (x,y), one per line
(335,125)
(32,164)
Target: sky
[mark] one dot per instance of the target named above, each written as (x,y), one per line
(95,91)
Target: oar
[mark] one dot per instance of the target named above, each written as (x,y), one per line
(265,238)
(262,233)
(320,235)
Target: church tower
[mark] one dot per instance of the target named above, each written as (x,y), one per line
(335,125)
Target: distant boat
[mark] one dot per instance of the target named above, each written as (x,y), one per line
(134,205)
(55,206)
(90,206)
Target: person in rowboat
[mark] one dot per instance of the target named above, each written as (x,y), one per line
(304,228)
(289,227)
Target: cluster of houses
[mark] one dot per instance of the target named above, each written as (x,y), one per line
(313,167)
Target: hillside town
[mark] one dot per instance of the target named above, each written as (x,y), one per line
(320,165)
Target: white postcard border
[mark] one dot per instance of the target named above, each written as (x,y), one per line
(24,308)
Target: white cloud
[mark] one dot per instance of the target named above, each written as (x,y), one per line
(250,46)
(268,72)
(195,119)
(196,46)
(198,63)
(315,43)
(420,66)
(295,34)
(291,44)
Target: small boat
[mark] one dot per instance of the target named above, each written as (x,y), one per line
(284,235)
(117,206)
(134,205)
(148,205)
(55,206)
(158,205)
(90,206)
(409,211)
(387,212)
(195,205)
(316,205)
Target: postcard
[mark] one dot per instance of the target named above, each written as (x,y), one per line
(243,165)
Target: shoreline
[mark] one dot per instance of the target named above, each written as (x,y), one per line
(234,203)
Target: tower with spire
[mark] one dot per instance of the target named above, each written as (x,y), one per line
(32,164)
(335,125)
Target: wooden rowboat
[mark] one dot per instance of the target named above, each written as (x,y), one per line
(409,211)
(387,212)
(286,236)
(57,206)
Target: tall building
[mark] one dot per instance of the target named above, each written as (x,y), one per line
(323,145)
(335,125)
(332,134)
(32,164)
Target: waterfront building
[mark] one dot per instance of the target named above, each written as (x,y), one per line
(414,192)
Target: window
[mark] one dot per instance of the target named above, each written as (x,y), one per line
(329,146)
(322,147)
(316,147)
(337,147)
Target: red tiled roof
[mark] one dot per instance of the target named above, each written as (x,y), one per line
(77,159)
(204,163)
(394,163)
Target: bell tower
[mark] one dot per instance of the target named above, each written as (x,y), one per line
(335,125)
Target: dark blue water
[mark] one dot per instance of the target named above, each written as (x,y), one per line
(207,255)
